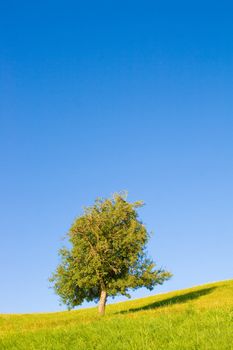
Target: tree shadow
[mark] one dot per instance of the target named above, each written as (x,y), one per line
(179,299)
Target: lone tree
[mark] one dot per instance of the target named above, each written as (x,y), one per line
(107,255)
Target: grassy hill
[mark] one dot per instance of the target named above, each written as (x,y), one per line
(196,318)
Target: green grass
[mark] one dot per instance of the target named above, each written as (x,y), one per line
(196,318)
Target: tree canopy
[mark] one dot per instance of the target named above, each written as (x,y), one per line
(107,255)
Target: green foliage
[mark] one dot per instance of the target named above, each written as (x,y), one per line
(108,253)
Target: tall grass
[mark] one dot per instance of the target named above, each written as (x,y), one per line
(197,318)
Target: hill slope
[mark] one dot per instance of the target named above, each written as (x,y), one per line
(195,318)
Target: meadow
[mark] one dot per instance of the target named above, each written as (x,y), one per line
(199,318)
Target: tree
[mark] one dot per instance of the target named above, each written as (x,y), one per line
(107,256)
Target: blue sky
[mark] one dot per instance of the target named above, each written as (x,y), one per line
(98,97)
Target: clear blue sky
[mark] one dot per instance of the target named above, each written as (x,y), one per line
(102,96)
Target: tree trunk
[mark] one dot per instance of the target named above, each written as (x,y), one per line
(102,302)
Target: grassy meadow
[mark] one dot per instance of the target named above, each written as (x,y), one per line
(196,318)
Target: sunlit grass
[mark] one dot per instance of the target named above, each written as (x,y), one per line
(196,318)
